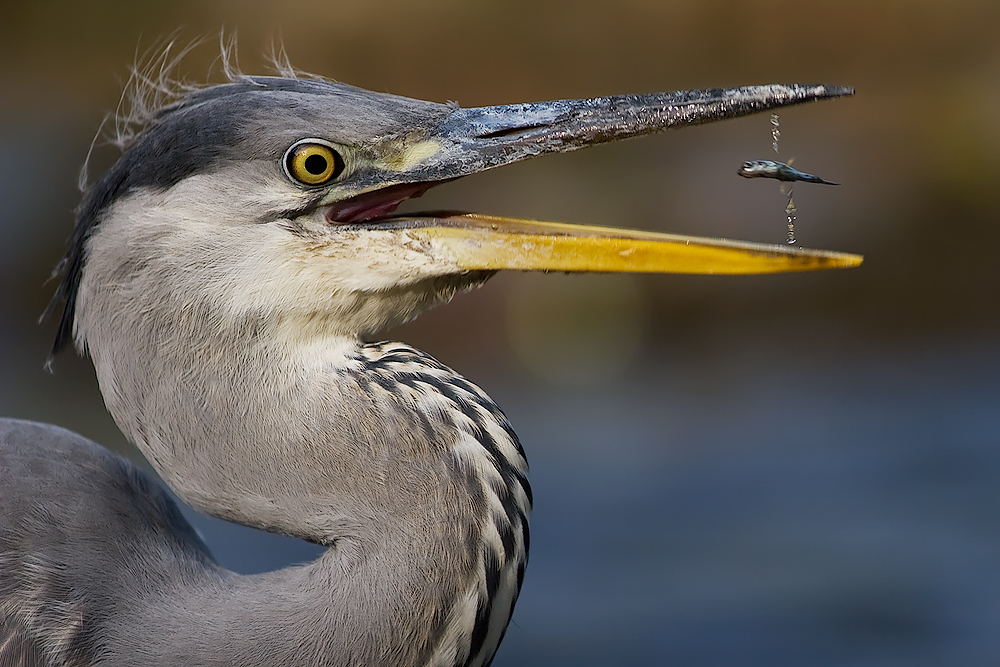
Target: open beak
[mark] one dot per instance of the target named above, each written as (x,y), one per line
(473,140)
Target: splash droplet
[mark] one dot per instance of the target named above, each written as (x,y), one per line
(790,215)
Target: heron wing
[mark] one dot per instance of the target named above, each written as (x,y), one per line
(79,528)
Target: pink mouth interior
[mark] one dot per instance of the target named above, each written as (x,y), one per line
(371,205)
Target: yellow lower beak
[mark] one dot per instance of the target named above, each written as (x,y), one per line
(480,242)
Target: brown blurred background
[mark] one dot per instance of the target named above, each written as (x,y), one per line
(797,469)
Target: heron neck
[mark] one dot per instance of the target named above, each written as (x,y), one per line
(332,612)
(316,440)
(408,472)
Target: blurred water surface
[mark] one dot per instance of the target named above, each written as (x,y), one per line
(780,470)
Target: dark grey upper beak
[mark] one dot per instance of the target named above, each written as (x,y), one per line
(473,140)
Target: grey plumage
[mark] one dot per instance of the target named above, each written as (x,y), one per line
(64,570)
(223,302)
(159,598)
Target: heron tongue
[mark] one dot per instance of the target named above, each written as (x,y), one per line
(375,204)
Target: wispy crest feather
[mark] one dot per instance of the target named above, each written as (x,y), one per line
(153,85)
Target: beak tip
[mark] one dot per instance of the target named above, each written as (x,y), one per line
(839,91)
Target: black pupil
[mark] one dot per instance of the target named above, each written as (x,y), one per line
(315,164)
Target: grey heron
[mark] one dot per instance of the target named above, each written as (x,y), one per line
(222,277)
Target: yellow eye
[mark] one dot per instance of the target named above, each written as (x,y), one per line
(313,163)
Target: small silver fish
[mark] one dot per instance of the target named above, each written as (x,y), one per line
(777,170)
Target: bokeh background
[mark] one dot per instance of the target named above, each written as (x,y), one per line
(776,470)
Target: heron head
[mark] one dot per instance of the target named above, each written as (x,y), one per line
(268,202)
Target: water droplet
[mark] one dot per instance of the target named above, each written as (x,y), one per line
(790,215)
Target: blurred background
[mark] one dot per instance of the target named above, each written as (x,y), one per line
(770,470)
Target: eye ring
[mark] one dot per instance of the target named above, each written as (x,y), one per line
(312,162)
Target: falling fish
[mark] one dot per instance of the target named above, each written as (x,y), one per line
(777,170)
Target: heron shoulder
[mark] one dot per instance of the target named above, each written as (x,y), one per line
(81,527)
